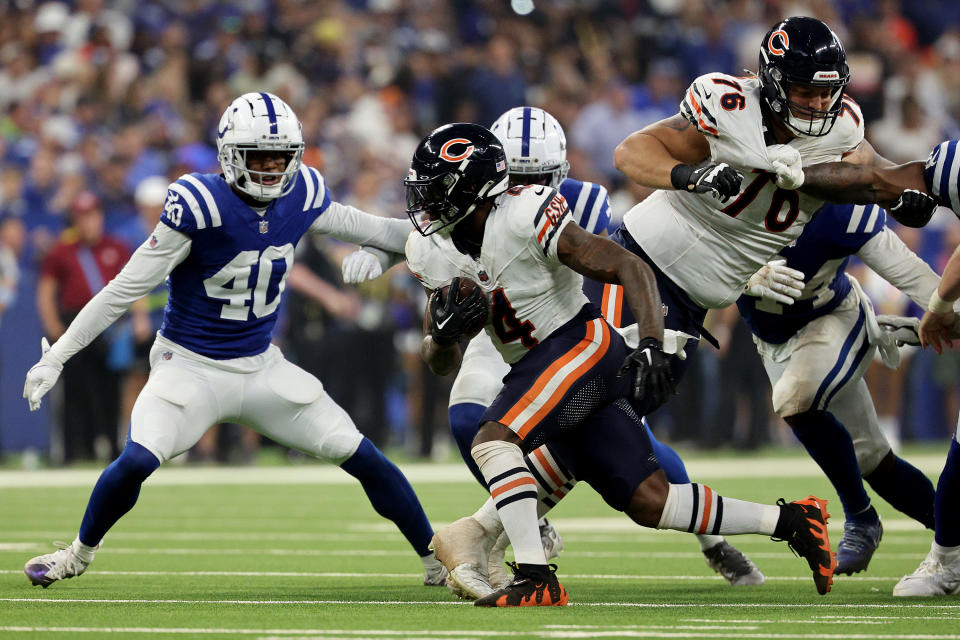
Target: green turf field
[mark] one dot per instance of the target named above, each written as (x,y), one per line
(297,552)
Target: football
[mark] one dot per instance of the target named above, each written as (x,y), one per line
(466,287)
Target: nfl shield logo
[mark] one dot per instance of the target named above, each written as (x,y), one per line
(264,226)
(166,355)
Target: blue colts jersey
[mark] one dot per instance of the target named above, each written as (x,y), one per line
(942,174)
(589,204)
(821,252)
(224,295)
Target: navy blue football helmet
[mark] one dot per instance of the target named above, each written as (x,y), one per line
(801,50)
(455,168)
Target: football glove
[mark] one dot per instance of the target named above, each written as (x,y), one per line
(904,330)
(652,382)
(721,179)
(41,377)
(776,281)
(787,164)
(450,319)
(360,266)
(913,208)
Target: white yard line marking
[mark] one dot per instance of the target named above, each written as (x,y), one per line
(335,574)
(424,473)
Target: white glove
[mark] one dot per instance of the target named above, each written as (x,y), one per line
(41,377)
(776,281)
(360,266)
(903,330)
(787,164)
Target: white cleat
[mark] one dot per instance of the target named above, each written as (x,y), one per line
(61,564)
(932,578)
(552,542)
(463,548)
(497,564)
(435,575)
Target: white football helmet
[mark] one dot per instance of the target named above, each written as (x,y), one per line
(534,143)
(259,122)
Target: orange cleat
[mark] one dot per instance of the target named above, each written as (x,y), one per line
(809,538)
(528,590)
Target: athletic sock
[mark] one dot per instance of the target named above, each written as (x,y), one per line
(947,516)
(554,482)
(83,551)
(513,490)
(391,495)
(696,508)
(669,460)
(905,487)
(116,492)
(464,424)
(831,447)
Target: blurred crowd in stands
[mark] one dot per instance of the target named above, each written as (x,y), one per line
(102,103)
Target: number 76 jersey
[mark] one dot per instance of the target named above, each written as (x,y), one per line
(711,248)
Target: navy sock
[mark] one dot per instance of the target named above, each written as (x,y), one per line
(669,460)
(464,424)
(945,505)
(904,487)
(390,494)
(831,447)
(116,491)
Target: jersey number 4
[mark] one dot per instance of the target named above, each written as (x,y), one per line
(507,325)
(232,282)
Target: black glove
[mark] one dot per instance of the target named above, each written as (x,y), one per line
(652,382)
(450,318)
(914,208)
(720,179)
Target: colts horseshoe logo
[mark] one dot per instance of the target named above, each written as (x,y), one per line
(784,38)
(445,150)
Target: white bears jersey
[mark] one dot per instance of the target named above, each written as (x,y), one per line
(531,292)
(709,248)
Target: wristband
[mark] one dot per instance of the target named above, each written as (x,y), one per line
(680,177)
(938,304)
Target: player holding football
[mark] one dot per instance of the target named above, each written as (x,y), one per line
(226,243)
(566,361)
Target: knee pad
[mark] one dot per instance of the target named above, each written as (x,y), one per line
(793,395)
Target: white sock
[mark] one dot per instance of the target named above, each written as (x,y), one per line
(945,555)
(708,541)
(513,490)
(83,552)
(697,508)
(429,561)
(488,517)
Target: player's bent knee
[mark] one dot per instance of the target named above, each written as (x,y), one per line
(791,395)
(870,454)
(293,384)
(136,462)
(490,431)
(646,504)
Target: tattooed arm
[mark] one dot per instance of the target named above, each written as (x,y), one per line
(862,184)
(648,156)
(606,261)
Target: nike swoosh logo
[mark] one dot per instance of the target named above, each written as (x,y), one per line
(441,325)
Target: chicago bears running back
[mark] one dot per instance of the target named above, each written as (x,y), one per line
(815,351)
(570,374)
(225,243)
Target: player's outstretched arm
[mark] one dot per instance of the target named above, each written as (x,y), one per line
(147,268)
(845,182)
(648,156)
(365,229)
(606,261)
(937,322)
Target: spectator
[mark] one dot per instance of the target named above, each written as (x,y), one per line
(77,267)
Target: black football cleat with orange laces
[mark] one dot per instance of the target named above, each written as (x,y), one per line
(528,589)
(803,526)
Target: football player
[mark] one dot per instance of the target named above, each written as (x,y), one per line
(225,243)
(815,351)
(570,373)
(536,150)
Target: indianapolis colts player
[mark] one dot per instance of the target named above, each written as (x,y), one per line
(570,373)
(815,351)
(225,243)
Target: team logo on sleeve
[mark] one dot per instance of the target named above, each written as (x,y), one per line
(449,153)
(784,42)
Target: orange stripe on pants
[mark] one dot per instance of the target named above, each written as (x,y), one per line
(538,454)
(707,504)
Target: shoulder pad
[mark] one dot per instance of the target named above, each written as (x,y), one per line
(941,174)
(191,204)
(849,125)
(536,212)
(316,197)
(589,204)
(426,260)
(707,97)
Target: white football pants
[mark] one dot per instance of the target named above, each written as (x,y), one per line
(481,373)
(188,393)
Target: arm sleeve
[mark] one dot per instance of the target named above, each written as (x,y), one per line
(886,254)
(147,268)
(353,225)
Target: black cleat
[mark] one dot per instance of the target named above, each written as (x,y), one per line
(527,590)
(736,568)
(808,538)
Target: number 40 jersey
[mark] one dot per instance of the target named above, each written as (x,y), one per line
(711,248)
